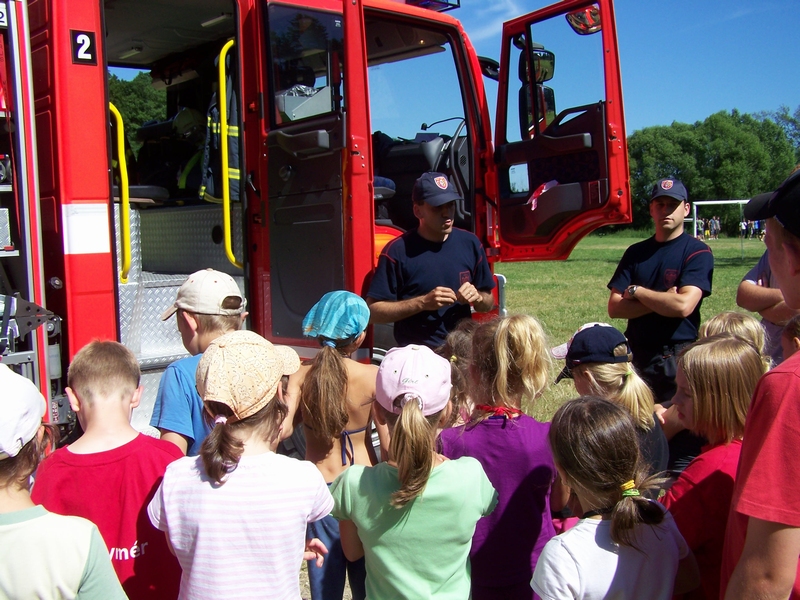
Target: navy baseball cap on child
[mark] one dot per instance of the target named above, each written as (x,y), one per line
(783,204)
(669,187)
(592,343)
(434,189)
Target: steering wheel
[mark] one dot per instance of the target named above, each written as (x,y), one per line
(450,148)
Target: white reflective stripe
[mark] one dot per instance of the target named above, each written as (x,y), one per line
(86,228)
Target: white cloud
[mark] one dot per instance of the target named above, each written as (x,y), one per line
(485,21)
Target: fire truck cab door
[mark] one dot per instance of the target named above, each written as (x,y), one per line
(560,141)
(304,160)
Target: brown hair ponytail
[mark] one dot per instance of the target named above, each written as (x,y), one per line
(594,442)
(222,448)
(323,394)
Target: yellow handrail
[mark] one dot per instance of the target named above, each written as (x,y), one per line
(125,200)
(223,131)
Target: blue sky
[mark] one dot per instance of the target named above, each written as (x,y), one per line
(682,60)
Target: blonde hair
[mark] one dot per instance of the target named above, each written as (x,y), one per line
(411,447)
(722,372)
(620,383)
(511,361)
(216,323)
(323,394)
(595,444)
(741,325)
(103,369)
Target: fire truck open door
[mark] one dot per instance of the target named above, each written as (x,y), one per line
(559,140)
(318,216)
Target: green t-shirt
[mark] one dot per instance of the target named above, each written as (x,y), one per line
(44,555)
(422,549)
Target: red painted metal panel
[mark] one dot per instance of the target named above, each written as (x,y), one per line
(72,114)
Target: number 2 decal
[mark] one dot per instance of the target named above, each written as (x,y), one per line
(84,51)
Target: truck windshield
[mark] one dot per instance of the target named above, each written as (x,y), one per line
(417,113)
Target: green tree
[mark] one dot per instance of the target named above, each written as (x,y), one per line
(726,156)
(138,102)
(790,123)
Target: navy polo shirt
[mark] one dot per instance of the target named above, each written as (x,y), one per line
(660,266)
(411,266)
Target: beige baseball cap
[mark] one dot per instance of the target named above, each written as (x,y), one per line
(243,370)
(22,407)
(205,292)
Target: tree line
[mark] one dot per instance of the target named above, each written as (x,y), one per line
(727,156)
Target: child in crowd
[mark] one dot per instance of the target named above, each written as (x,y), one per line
(335,396)
(716,379)
(741,325)
(457,348)
(236,515)
(790,338)
(510,364)
(735,323)
(42,555)
(625,546)
(598,358)
(209,304)
(112,471)
(413,517)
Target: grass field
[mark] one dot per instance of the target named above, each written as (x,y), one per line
(563,295)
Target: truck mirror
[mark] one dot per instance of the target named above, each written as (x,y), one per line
(544,65)
(549,100)
(585,21)
(545,111)
(489,67)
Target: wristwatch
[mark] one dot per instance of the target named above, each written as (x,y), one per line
(632,290)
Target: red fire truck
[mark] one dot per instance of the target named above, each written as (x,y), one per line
(295,130)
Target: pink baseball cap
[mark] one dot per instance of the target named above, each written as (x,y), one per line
(413,372)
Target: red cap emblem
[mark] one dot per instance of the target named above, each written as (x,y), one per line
(666,184)
(441,182)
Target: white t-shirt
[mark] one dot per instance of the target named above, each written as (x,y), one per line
(584,563)
(245,538)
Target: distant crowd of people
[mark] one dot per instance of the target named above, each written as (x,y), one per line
(669,474)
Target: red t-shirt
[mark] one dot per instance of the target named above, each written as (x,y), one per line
(699,501)
(768,480)
(112,489)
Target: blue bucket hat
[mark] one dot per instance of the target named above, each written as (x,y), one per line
(338,317)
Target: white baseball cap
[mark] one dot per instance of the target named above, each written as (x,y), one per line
(22,407)
(205,292)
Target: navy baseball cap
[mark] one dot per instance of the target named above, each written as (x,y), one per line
(783,204)
(434,189)
(669,187)
(592,343)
